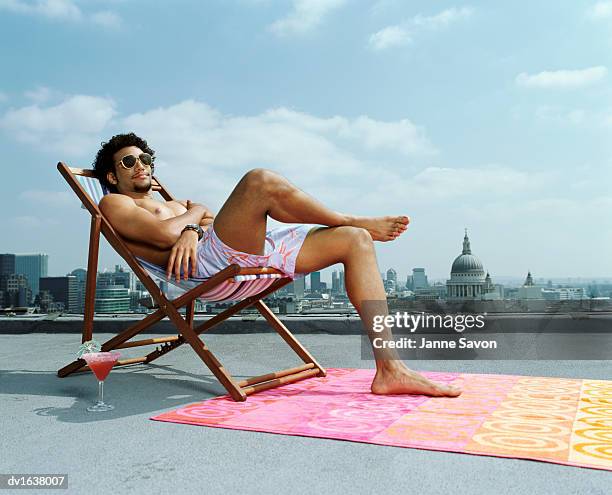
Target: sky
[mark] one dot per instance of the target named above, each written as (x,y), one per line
(490,116)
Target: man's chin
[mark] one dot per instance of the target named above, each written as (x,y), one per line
(142,189)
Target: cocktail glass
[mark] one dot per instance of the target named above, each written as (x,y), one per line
(101,363)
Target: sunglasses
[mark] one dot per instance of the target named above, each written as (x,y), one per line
(128,161)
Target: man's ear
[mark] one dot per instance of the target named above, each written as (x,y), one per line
(110,177)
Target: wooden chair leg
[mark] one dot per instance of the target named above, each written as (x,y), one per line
(90,284)
(190,313)
(287,336)
(205,354)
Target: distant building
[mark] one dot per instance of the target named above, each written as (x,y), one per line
(112,299)
(432,293)
(315,282)
(418,280)
(120,277)
(7,264)
(468,280)
(63,290)
(15,290)
(44,299)
(299,287)
(33,266)
(335,282)
(529,290)
(564,294)
(127,280)
(81,277)
(391,280)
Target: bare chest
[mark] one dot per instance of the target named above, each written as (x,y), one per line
(161,210)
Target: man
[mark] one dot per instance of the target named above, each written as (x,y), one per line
(180,235)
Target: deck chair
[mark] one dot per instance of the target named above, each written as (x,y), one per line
(244,287)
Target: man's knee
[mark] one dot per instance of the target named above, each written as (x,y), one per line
(260,180)
(358,237)
(258,177)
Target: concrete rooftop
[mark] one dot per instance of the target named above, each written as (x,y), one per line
(46,429)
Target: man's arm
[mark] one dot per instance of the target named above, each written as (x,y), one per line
(139,225)
(207,218)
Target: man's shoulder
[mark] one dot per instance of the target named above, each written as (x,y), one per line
(117,198)
(114,201)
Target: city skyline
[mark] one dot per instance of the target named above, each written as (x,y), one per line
(327,273)
(439,112)
(119,291)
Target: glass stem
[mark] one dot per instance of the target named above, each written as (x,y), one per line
(100,391)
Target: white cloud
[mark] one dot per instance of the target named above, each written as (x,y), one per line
(442,186)
(563,79)
(3,97)
(52,9)
(600,11)
(305,16)
(389,37)
(404,33)
(196,141)
(443,19)
(61,10)
(107,19)
(70,127)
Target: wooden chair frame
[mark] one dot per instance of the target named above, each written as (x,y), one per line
(238,390)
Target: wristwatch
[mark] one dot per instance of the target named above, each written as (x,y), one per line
(195,227)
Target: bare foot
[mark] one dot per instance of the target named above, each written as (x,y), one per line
(382,228)
(405,381)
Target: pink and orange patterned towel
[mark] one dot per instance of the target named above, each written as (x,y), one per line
(559,420)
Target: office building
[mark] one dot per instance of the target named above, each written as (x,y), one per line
(335,282)
(299,287)
(564,294)
(33,266)
(7,264)
(120,277)
(81,277)
(63,290)
(341,282)
(419,279)
(15,291)
(112,299)
(315,282)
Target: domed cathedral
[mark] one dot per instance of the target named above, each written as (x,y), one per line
(468,279)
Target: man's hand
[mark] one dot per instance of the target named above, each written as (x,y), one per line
(183,251)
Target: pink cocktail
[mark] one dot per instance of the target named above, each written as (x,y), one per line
(101,363)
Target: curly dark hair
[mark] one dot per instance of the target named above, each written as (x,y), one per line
(104,162)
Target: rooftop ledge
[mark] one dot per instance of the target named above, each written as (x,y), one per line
(339,324)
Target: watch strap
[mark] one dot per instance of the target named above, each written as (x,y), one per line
(196,228)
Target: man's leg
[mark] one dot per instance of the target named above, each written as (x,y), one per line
(241,222)
(354,248)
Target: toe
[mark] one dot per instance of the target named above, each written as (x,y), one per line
(404,220)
